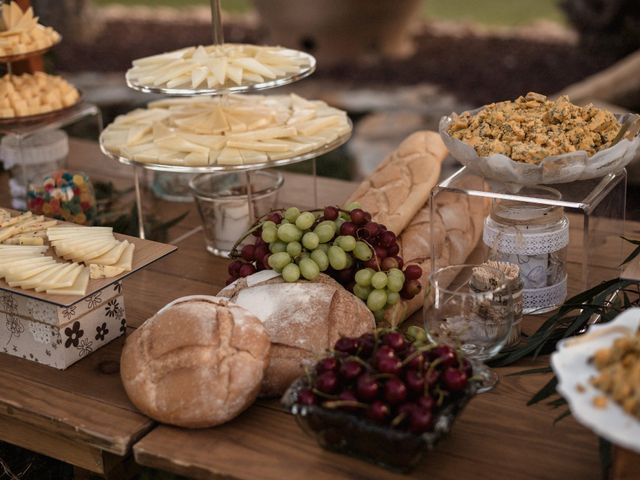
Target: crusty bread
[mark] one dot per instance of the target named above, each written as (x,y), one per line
(198,362)
(303,319)
(457,229)
(401,184)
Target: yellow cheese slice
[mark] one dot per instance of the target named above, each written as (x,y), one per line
(63,279)
(112,256)
(79,287)
(104,271)
(126,260)
(22,274)
(37,279)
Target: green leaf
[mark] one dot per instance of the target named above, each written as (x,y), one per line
(545,392)
(564,414)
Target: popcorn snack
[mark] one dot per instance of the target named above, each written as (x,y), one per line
(66,196)
(20,32)
(27,94)
(532,128)
(217,66)
(234,130)
(619,374)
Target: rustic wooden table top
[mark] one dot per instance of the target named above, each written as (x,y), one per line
(82,415)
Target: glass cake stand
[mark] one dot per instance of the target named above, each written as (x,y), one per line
(218,38)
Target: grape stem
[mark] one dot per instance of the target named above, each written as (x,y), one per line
(257,224)
(343,403)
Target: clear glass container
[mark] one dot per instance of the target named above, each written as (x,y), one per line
(224,206)
(31,159)
(535,237)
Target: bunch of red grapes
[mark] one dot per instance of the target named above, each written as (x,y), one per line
(388,380)
(360,254)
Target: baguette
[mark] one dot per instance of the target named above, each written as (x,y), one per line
(401,184)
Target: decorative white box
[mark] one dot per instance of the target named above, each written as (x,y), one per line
(59,336)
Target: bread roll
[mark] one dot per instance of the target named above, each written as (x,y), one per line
(457,227)
(402,183)
(303,319)
(198,362)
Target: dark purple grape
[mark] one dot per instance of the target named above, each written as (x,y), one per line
(257,233)
(367,217)
(248,253)
(414,380)
(306,397)
(393,250)
(330,213)
(351,369)
(373,262)
(390,365)
(346,345)
(413,272)
(327,382)
(234,268)
(329,364)
(260,251)
(395,340)
(410,289)
(381,253)
(395,391)
(367,388)
(358,216)
(399,260)
(445,355)
(467,368)
(387,239)
(378,411)
(275,217)
(454,380)
(246,270)
(426,402)
(385,351)
(421,421)
(348,228)
(367,343)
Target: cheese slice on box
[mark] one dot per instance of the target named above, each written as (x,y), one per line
(104,271)
(31,239)
(14,220)
(22,274)
(26,248)
(36,279)
(6,267)
(63,279)
(79,287)
(112,256)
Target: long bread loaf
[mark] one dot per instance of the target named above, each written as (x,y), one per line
(457,224)
(401,184)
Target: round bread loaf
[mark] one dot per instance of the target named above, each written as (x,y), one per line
(303,319)
(196,363)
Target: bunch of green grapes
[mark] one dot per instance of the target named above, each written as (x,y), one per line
(360,254)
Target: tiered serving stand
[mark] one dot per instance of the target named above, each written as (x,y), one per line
(218,38)
(24,127)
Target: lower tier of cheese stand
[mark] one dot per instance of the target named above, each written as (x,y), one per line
(59,336)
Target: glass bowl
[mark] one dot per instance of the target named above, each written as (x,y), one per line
(345,433)
(565,168)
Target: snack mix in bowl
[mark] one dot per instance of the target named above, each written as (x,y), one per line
(384,396)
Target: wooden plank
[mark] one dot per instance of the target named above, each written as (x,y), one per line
(626,464)
(68,415)
(497,436)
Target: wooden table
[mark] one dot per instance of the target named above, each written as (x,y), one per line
(82,415)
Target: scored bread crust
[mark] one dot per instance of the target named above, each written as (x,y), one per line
(197,363)
(305,320)
(402,183)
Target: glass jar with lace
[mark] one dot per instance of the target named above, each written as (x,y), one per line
(535,237)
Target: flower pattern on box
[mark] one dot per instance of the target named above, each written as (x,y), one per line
(117,287)
(73,333)
(41,332)
(38,310)
(85,347)
(123,325)
(112,309)
(102,331)
(94,300)
(69,312)
(8,303)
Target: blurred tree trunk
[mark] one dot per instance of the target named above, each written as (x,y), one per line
(606,25)
(72,18)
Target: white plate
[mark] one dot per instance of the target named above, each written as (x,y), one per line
(571,366)
(564,168)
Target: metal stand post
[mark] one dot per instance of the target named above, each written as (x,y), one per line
(216,23)
(136,179)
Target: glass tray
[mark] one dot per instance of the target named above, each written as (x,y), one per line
(245,88)
(326,148)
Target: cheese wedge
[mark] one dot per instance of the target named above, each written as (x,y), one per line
(36,279)
(104,271)
(79,287)
(112,256)
(24,273)
(64,279)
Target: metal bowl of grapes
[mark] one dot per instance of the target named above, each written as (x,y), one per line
(385,397)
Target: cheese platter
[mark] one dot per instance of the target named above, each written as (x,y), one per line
(68,263)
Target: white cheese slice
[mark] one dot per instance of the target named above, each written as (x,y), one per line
(65,278)
(79,287)
(126,260)
(22,274)
(112,256)
(104,271)
(40,277)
